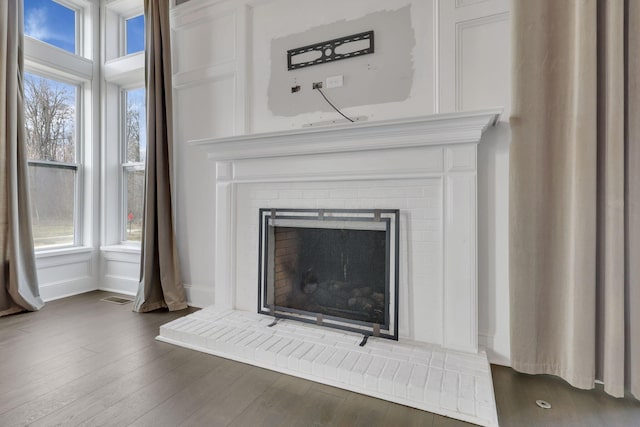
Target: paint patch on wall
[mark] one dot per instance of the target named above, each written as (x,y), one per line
(382,77)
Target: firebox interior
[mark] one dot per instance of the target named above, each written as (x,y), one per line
(334,268)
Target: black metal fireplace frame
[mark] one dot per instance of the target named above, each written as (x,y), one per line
(391,219)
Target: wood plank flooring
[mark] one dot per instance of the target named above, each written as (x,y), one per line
(84,362)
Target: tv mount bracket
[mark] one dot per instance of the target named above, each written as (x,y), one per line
(326,51)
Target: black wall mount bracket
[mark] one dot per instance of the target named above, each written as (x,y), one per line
(323,52)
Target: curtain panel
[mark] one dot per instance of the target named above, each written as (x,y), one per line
(160,283)
(18,279)
(575,192)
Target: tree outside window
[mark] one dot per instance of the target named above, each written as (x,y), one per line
(50,121)
(134,162)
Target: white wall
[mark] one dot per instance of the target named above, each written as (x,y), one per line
(473,73)
(223,70)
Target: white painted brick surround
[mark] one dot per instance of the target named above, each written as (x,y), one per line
(422,376)
(425,167)
(420,204)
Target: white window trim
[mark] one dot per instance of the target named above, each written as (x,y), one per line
(77,69)
(120,72)
(126,167)
(81,193)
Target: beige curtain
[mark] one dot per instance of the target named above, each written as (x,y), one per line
(575,192)
(160,284)
(18,280)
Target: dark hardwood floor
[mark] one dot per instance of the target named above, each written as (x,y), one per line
(81,361)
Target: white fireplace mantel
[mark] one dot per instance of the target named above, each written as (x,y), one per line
(436,129)
(379,163)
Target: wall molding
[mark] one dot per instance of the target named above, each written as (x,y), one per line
(199,296)
(119,284)
(117,291)
(66,273)
(198,12)
(487,342)
(460,27)
(67,288)
(201,76)
(465,3)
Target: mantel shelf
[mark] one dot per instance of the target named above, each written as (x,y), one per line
(437,129)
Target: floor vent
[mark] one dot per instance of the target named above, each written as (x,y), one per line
(117,300)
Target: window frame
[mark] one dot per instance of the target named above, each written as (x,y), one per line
(79,30)
(125,165)
(56,74)
(121,73)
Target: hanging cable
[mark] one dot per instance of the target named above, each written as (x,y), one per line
(334,107)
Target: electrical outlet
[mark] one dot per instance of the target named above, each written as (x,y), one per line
(316,85)
(334,81)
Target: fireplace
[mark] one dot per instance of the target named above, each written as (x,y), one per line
(425,166)
(278,190)
(335,268)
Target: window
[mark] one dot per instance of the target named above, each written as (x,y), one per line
(124,125)
(61,113)
(51,22)
(51,115)
(134,34)
(134,146)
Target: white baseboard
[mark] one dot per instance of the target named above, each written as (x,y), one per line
(119,284)
(486,341)
(198,296)
(117,291)
(67,288)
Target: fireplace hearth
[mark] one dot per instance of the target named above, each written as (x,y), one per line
(335,268)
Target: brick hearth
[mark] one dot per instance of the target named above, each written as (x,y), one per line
(422,376)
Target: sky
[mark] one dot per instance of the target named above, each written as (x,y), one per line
(50,22)
(135,34)
(54,23)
